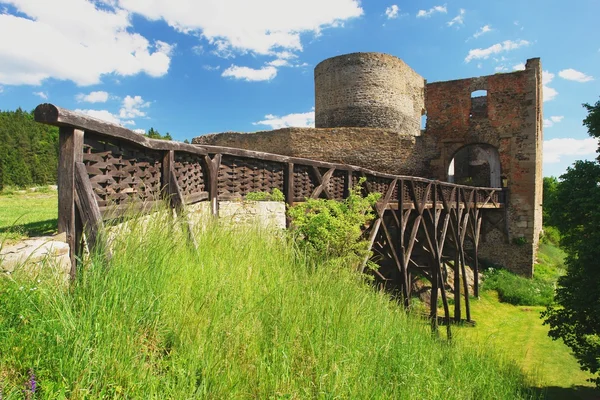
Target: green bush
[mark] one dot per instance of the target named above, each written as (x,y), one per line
(334,229)
(550,235)
(275,195)
(517,290)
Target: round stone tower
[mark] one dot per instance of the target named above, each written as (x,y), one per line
(372,90)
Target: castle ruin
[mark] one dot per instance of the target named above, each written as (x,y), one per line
(484,131)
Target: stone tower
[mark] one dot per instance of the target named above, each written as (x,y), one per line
(369,90)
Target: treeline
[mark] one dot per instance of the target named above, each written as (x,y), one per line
(29,150)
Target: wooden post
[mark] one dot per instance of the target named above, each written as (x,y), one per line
(288,188)
(70,151)
(212,168)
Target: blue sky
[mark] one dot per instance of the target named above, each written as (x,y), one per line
(191,67)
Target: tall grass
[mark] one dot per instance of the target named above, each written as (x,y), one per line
(245,316)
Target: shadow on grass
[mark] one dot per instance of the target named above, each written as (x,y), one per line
(38,228)
(572,393)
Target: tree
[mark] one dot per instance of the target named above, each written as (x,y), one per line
(576,316)
(550,208)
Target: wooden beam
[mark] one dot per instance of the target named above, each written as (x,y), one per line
(70,151)
(212,166)
(88,208)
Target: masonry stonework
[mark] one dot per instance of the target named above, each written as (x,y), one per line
(368,110)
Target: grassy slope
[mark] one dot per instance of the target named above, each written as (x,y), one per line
(27,214)
(517,331)
(245,318)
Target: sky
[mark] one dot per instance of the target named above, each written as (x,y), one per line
(191,67)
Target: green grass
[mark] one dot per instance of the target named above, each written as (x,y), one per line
(539,291)
(517,331)
(246,316)
(27,214)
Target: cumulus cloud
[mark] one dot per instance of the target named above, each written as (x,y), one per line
(549,93)
(574,75)
(43,95)
(519,67)
(93,97)
(483,30)
(433,10)
(250,74)
(103,115)
(258,26)
(1,88)
(392,11)
(459,19)
(554,149)
(132,107)
(505,46)
(299,120)
(549,122)
(88,41)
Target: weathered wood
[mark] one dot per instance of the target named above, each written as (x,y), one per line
(70,151)
(322,182)
(88,207)
(212,168)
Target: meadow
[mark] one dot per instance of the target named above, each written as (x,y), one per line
(248,315)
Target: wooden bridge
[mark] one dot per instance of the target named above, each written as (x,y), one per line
(421,228)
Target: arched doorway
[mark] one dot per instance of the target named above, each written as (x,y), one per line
(476,165)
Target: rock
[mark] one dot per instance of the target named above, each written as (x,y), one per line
(35,254)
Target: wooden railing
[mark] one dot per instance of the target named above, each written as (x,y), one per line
(105,169)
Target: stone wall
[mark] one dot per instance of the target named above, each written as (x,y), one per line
(377,149)
(368,90)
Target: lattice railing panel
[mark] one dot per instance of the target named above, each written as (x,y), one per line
(190,174)
(304,182)
(239,176)
(336,184)
(121,172)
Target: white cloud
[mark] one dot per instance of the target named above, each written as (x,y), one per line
(140,131)
(93,97)
(88,41)
(300,120)
(43,95)
(459,19)
(101,114)
(554,149)
(500,68)
(131,107)
(549,93)
(483,30)
(435,9)
(519,67)
(549,122)
(258,26)
(211,68)
(392,11)
(1,88)
(574,75)
(507,45)
(250,74)
(280,62)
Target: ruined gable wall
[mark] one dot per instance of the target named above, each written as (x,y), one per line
(514,126)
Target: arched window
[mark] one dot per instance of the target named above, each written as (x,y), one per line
(478,104)
(476,165)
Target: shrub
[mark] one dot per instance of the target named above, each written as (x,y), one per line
(275,195)
(515,289)
(333,229)
(550,235)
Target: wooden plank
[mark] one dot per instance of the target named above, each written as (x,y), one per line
(322,182)
(70,151)
(88,207)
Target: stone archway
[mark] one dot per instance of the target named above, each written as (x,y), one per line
(476,165)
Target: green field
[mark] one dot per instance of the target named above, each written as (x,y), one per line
(248,317)
(25,213)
